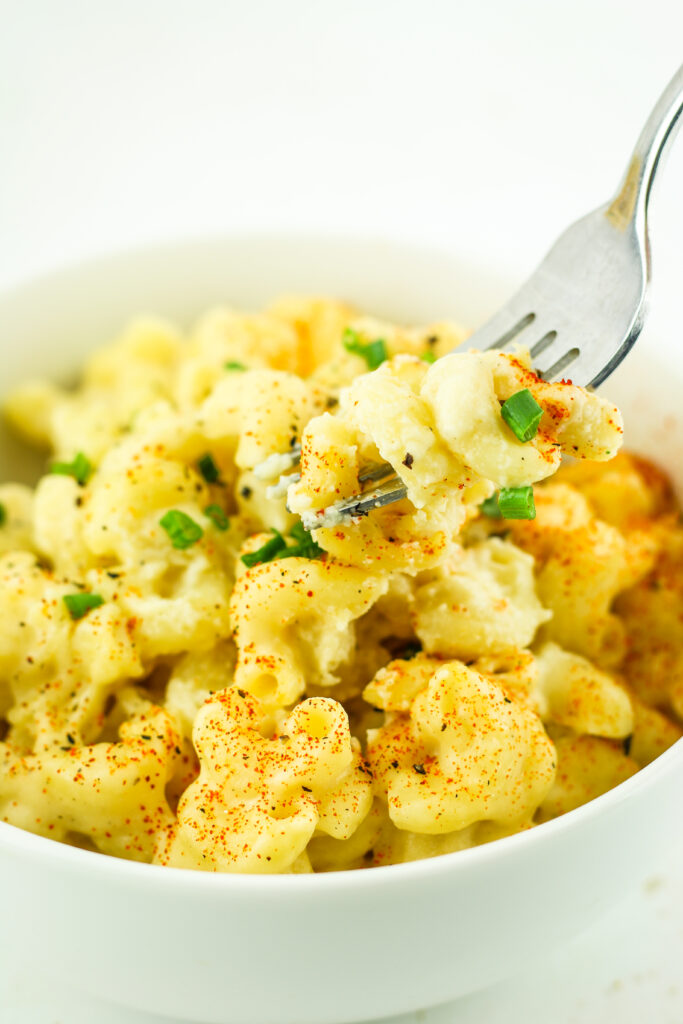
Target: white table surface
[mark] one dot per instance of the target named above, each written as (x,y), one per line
(486,126)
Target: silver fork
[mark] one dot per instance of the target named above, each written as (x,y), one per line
(580,312)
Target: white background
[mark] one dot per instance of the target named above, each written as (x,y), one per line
(487,126)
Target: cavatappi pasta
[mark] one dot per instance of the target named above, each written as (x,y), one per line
(201,670)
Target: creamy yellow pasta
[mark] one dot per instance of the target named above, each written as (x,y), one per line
(204,668)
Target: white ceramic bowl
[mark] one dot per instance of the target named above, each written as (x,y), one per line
(338,947)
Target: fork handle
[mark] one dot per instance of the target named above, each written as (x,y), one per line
(631,201)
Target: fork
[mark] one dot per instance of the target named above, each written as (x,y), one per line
(581,311)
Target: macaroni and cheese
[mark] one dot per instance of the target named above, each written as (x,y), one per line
(203,667)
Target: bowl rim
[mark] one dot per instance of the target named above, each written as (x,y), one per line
(15,840)
(495,274)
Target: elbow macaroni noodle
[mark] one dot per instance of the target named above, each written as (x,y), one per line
(190,678)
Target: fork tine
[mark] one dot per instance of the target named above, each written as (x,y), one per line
(543,343)
(393,490)
(357,506)
(377,471)
(563,361)
(550,349)
(511,324)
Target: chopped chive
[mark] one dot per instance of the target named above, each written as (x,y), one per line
(428,357)
(517,503)
(373,352)
(307,550)
(80,469)
(208,468)
(522,413)
(300,533)
(490,507)
(3,514)
(277,547)
(217,516)
(80,604)
(306,547)
(234,364)
(182,530)
(301,551)
(268,551)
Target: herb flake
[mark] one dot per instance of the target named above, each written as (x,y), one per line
(80,469)
(79,605)
(373,352)
(277,547)
(490,507)
(181,528)
(523,414)
(517,503)
(306,548)
(268,551)
(208,468)
(217,516)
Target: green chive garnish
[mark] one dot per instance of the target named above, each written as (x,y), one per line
(182,530)
(3,514)
(217,516)
(300,533)
(234,364)
(277,547)
(522,413)
(80,604)
(373,352)
(208,468)
(428,357)
(306,546)
(268,551)
(517,503)
(490,507)
(80,469)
